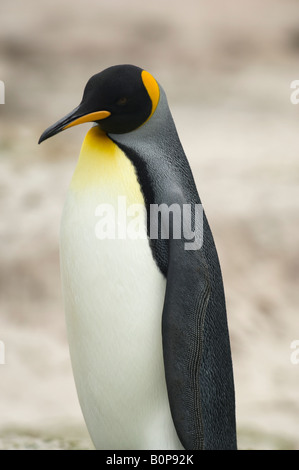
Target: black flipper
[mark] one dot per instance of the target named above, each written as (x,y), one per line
(196,346)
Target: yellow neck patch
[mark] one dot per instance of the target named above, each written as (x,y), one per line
(152,88)
(103,166)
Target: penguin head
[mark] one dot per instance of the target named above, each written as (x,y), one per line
(119,99)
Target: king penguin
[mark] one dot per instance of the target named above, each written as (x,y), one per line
(146,316)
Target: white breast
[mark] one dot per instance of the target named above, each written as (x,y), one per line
(114,297)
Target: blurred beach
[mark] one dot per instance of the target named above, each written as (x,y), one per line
(226,68)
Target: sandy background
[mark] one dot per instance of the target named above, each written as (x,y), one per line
(227,68)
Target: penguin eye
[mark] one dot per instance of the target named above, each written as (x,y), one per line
(122,101)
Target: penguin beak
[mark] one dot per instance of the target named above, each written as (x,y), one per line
(74,118)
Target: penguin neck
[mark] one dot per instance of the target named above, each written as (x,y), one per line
(104,168)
